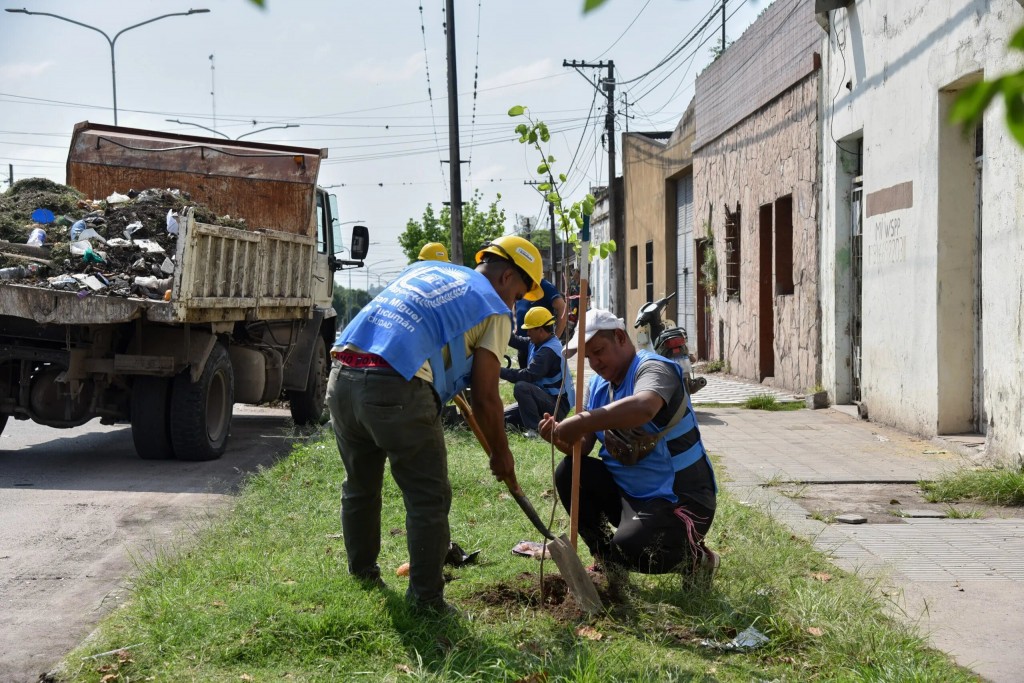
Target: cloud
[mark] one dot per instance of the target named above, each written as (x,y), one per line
(18,71)
(525,75)
(377,72)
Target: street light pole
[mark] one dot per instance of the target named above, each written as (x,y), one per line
(111,41)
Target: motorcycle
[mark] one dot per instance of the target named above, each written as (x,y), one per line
(664,338)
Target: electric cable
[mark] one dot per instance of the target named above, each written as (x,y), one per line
(430,96)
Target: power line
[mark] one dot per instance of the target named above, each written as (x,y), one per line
(476,78)
(690,37)
(624,32)
(430,96)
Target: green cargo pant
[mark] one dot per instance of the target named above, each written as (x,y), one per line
(378,416)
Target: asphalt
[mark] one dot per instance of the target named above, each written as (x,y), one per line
(960,582)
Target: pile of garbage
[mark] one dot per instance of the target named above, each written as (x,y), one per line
(122,245)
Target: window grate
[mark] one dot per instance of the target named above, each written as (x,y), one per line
(732,253)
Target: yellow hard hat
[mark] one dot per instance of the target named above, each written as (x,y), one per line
(538,316)
(433,251)
(522,253)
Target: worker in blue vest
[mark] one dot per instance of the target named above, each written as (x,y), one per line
(545,384)
(434,330)
(647,502)
(552,300)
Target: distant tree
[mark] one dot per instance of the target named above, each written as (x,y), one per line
(347,302)
(478,227)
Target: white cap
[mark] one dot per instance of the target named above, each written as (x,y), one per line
(597,319)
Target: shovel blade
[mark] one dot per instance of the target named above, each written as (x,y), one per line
(575,575)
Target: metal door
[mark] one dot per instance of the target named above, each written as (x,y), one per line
(686,272)
(857,273)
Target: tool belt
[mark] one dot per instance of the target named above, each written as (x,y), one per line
(630,446)
(359,361)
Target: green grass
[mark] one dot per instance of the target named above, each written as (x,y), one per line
(263,595)
(995,486)
(716,366)
(769,402)
(953,512)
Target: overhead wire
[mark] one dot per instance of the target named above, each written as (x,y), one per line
(624,32)
(476,80)
(430,96)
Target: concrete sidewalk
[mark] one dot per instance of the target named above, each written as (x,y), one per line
(961,581)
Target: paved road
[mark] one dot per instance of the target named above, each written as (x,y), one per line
(79,509)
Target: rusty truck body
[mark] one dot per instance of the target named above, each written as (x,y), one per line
(249,318)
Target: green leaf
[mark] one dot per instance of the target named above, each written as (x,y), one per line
(553,197)
(593,252)
(542,169)
(517,110)
(544,187)
(971,103)
(611,245)
(551,159)
(1018,39)
(532,137)
(522,129)
(604,250)
(590,5)
(259,3)
(1015,115)
(561,177)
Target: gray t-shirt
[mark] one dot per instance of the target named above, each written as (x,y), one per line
(694,483)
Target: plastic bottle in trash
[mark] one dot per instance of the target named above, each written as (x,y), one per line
(76,229)
(18,272)
(36,237)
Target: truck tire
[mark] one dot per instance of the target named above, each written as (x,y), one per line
(309,407)
(151,420)
(201,411)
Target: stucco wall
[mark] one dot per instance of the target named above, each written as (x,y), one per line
(769,155)
(894,68)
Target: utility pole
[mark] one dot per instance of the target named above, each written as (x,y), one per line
(453,135)
(616,274)
(723,26)
(10,175)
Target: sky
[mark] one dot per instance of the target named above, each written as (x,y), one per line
(367,81)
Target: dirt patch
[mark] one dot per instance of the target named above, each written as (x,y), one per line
(525,591)
(883,503)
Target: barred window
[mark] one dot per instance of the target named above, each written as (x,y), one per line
(732,253)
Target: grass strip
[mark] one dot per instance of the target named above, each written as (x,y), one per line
(263,595)
(995,486)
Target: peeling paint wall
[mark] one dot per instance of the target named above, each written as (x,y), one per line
(891,71)
(767,156)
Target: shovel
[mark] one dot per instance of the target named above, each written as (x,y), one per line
(562,552)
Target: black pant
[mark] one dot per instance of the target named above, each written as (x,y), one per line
(650,536)
(531,404)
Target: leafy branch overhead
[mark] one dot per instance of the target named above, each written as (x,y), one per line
(971,104)
(570,219)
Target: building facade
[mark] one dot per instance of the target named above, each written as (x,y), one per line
(657,176)
(756,191)
(922,250)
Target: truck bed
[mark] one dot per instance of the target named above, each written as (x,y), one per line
(222,274)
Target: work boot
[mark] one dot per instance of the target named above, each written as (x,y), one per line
(370,581)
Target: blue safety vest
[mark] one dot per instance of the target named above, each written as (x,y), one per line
(654,475)
(552,384)
(429,306)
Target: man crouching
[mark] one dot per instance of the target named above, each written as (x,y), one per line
(653,481)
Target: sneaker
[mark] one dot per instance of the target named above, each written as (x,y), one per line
(531,434)
(704,572)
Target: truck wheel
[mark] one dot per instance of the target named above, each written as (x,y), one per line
(309,407)
(201,412)
(151,404)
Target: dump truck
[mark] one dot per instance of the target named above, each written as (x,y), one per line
(247,318)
